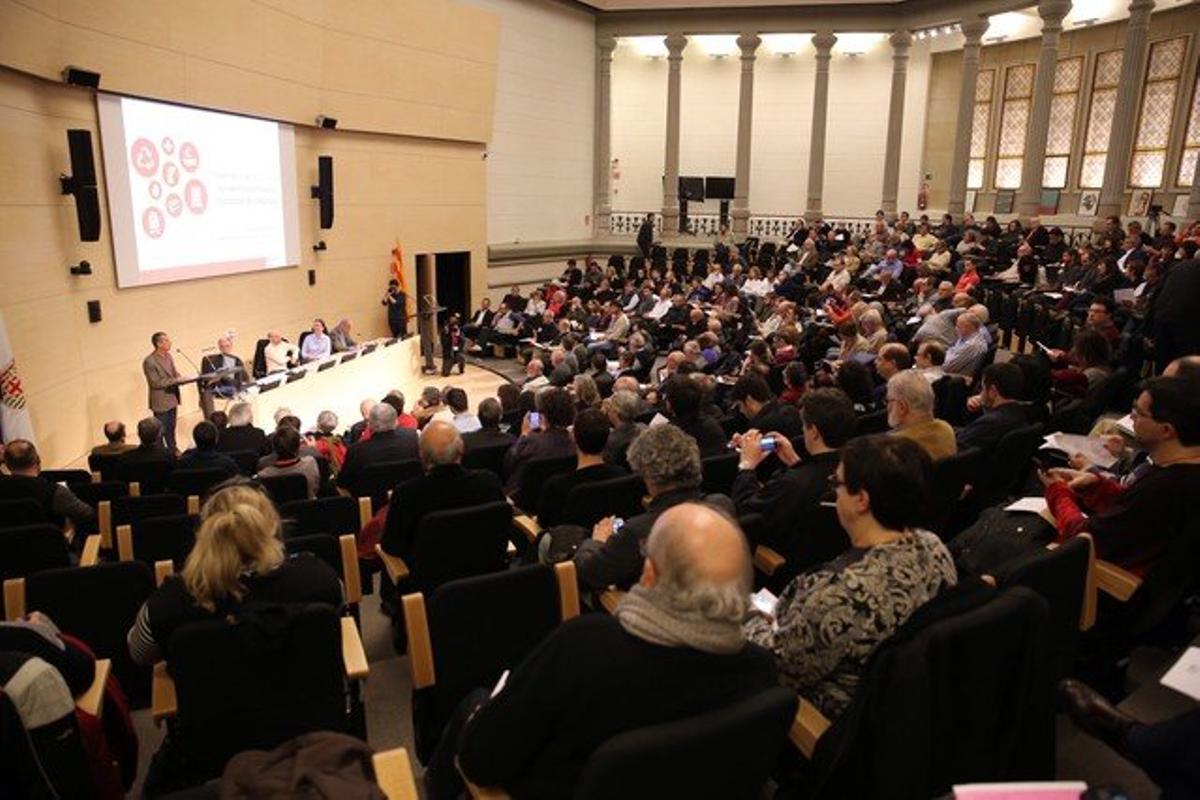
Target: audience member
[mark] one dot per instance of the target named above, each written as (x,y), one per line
(910,414)
(148,454)
(548,439)
(114,445)
(24,482)
(1002,386)
(753,398)
(387,444)
(591,432)
(288,461)
(464,420)
(205,455)
(489,433)
(316,344)
(241,433)
(622,409)
(684,398)
(827,622)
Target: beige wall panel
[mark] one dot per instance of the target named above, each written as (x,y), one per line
(125,19)
(58,412)
(353,61)
(36,245)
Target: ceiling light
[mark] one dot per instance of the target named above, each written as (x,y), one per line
(717,46)
(648,46)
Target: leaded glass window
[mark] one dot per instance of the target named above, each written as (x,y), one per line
(1060,132)
(1191,140)
(1100,119)
(1158,109)
(1014,122)
(980,120)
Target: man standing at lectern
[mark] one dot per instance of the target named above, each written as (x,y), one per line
(163,380)
(227,386)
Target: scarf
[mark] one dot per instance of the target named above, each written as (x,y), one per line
(644,614)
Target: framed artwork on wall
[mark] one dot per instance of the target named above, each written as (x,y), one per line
(1139,202)
(1181,206)
(1004,201)
(1048,205)
(1088,201)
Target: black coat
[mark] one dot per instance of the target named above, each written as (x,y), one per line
(557,488)
(243,437)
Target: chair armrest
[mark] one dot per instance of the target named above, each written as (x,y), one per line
(394,566)
(163,704)
(90,556)
(351,577)
(68,531)
(193,504)
(527,526)
(353,655)
(766,560)
(568,590)
(92,701)
(104,523)
(125,542)
(163,569)
(1115,581)
(14,598)
(135,489)
(420,646)
(364,509)
(480,792)
(609,599)
(808,726)
(1087,616)
(394,775)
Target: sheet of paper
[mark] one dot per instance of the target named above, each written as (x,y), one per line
(658,419)
(1053,295)
(1032,505)
(1031,790)
(500,683)
(1092,448)
(1124,295)
(764,601)
(1125,424)
(1184,677)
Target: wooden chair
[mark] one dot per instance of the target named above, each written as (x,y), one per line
(821,539)
(490,458)
(394,775)
(67,475)
(534,476)
(20,512)
(331,515)
(29,548)
(589,503)
(100,496)
(473,629)
(228,696)
(199,482)
(246,460)
(719,472)
(339,552)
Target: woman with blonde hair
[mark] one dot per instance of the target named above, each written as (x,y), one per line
(238,560)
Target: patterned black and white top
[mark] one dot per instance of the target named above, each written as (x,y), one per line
(828,621)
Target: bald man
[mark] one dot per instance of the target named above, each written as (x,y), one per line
(231,381)
(673,649)
(444,486)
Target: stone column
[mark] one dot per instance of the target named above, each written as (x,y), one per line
(748,43)
(823,41)
(1120,142)
(602,211)
(1030,194)
(675,44)
(972,30)
(901,41)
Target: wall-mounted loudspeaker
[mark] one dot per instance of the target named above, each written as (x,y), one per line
(323,191)
(76,76)
(93,307)
(81,183)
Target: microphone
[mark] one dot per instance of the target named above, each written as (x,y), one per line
(189,360)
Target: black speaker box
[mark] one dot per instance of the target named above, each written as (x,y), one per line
(323,191)
(81,183)
(93,307)
(81,77)
(87,212)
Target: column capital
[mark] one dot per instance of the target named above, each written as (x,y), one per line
(900,41)
(973,29)
(823,41)
(1140,6)
(605,46)
(1052,13)
(748,43)
(675,43)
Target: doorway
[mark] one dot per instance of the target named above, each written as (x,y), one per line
(453,284)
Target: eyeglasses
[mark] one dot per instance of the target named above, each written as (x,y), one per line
(835,482)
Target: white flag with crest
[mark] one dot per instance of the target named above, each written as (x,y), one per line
(14,411)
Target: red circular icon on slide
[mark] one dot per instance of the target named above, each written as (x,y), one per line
(189,156)
(196,196)
(155,190)
(145,157)
(170,173)
(174,205)
(153,222)
(168,145)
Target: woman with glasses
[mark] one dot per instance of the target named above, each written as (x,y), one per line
(828,621)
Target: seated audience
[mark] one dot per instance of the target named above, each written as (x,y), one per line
(968,351)
(549,439)
(24,481)
(623,409)
(463,419)
(893,358)
(672,650)
(241,433)
(1133,524)
(488,433)
(684,398)
(910,414)
(358,429)
(395,398)
(791,494)
(591,432)
(668,462)
(387,444)
(287,460)
(827,622)
(340,337)
(326,441)
(114,444)
(205,455)
(238,564)
(149,453)
(929,360)
(1003,412)
(444,486)
(752,396)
